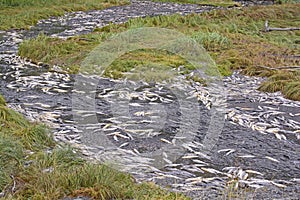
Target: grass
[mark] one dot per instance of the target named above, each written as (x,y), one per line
(16,135)
(149,64)
(285,81)
(233,38)
(21,14)
(67,53)
(33,166)
(72,51)
(222,3)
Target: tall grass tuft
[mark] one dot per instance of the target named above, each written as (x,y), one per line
(212,40)
(15,125)
(11,158)
(286,82)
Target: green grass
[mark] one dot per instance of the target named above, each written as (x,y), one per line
(71,52)
(16,135)
(32,136)
(21,14)
(285,81)
(161,64)
(62,173)
(68,53)
(33,166)
(233,38)
(222,3)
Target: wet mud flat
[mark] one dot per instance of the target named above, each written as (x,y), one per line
(158,132)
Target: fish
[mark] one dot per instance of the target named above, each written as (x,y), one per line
(136,151)
(199,161)
(253,172)
(167,161)
(278,185)
(256,186)
(193,169)
(135,105)
(280,136)
(247,156)
(165,140)
(202,155)
(123,145)
(195,180)
(272,159)
(118,134)
(229,151)
(189,156)
(210,170)
(60,90)
(169,176)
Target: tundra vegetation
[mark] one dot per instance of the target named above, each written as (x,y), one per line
(234,38)
(34,166)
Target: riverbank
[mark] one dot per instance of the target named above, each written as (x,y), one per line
(34,166)
(234,38)
(22,14)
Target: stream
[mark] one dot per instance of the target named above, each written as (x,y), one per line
(159,131)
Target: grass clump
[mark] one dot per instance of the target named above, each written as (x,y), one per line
(60,173)
(68,53)
(148,64)
(11,158)
(33,166)
(16,135)
(285,81)
(14,125)
(20,14)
